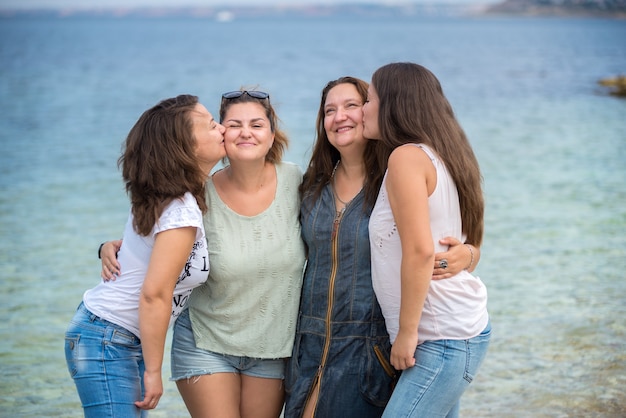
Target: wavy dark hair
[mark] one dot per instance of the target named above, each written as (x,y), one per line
(325,156)
(413,109)
(281,141)
(159,162)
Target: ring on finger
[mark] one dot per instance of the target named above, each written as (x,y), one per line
(443,264)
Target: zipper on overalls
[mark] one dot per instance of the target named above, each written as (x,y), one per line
(331,291)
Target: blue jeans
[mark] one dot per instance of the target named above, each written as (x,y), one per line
(106,363)
(443,370)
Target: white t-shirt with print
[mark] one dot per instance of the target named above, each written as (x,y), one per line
(117,301)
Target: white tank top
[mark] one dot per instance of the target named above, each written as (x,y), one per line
(455,308)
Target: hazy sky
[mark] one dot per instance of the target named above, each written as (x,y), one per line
(56,4)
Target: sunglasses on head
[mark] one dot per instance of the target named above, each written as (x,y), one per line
(252,93)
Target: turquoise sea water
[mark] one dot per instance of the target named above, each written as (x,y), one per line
(551,143)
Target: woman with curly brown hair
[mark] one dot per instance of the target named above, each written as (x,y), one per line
(114,344)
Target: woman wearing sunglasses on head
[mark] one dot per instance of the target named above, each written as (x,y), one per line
(228,354)
(229,347)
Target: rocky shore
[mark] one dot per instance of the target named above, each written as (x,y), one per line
(616,85)
(615,9)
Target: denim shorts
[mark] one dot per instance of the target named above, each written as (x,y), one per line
(189,361)
(106,363)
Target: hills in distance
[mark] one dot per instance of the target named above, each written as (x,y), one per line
(614,9)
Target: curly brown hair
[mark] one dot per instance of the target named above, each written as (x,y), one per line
(159,162)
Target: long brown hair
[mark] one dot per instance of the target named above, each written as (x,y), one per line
(325,156)
(413,109)
(159,162)
(281,141)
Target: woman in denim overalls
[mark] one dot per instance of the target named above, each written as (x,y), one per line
(340,363)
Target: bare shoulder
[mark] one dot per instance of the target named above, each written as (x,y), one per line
(408,156)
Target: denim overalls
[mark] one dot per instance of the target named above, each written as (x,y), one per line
(341,339)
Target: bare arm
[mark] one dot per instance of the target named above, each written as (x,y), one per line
(169,255)
(411,178)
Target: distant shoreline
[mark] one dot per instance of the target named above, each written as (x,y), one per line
(506,8)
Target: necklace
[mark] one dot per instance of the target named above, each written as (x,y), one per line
(334,186)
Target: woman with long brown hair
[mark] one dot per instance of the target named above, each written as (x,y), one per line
(439,330)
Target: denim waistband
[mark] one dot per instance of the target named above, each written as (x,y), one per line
(109,329)
(91,316)
(364,329)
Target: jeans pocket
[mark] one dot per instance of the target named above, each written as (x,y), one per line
(71,352)
(476,349)
(125,338)
(121,344)
(386,365)
(377,375)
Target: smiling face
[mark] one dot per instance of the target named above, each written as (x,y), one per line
(248,133)
(209,136)
(343,116)
(370,114)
